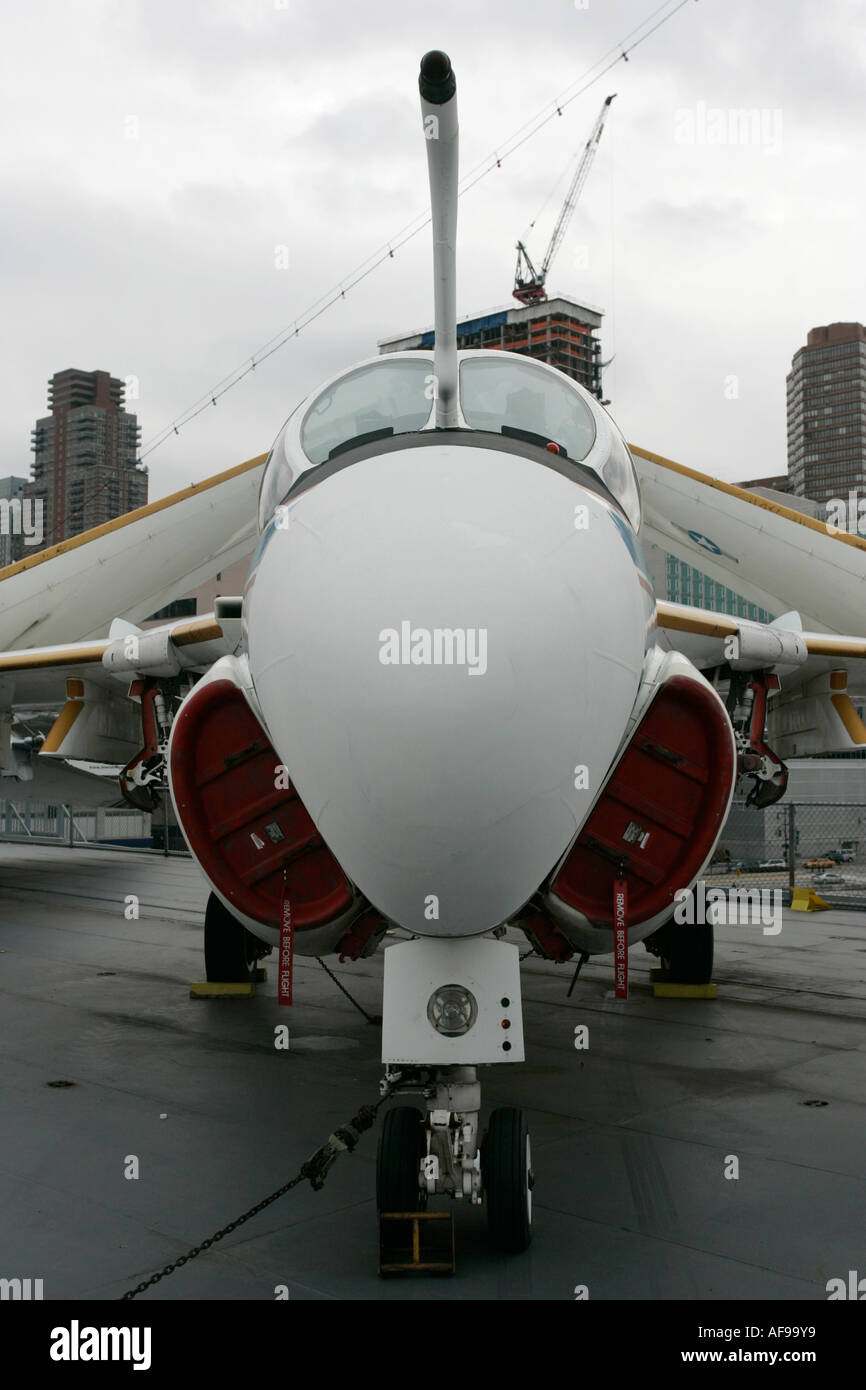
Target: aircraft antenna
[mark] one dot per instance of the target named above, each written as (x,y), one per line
(438,88)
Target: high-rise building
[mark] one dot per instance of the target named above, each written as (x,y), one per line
(12,520)
(84,455)
(559,331)
(827,413)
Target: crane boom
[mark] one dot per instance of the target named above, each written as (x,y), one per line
(529,283)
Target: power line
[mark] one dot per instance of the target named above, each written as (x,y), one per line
(617,48)
(386,251)
(561,103)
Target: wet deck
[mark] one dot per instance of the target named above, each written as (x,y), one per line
(630,1138)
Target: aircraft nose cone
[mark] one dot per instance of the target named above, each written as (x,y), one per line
(441,639)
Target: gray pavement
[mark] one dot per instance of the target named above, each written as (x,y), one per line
(630,1138)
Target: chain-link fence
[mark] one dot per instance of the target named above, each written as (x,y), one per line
(44,822)
(820,845)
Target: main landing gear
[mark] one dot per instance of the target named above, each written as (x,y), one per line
(439,1153)
(231,951)
(685,950)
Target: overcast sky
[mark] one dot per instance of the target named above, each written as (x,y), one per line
(157,153)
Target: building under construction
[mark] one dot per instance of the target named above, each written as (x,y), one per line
(559,331)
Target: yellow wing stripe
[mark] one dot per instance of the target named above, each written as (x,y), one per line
(55,656)
(201,630)
(184,635)
(706,624)
(764,502)
(835,646)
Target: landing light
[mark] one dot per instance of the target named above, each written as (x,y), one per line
(452,1010)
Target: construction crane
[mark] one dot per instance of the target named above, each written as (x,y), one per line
(529,282)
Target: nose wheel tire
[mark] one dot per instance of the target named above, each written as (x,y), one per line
(230,950)
(508,1180)
(401,1147)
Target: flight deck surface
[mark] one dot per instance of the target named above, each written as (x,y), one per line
(631,1136)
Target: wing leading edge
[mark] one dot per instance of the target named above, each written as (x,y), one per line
(132,566)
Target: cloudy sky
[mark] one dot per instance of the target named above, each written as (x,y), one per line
(183,180)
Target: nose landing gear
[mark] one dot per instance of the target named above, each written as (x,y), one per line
(439,1154)
(506,1165)
(451,1004)
(398,1161)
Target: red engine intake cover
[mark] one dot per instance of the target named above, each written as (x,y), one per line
(244,831)
(661,812)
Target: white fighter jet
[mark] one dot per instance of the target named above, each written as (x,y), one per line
(448,701)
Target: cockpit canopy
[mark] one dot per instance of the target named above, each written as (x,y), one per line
(497,393)
(500,393)
(387,397)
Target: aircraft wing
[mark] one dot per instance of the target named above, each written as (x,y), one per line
(132,566)
(775,557)
(812,576)
(66,707)
(36,676)
(812,712)
(706,637)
